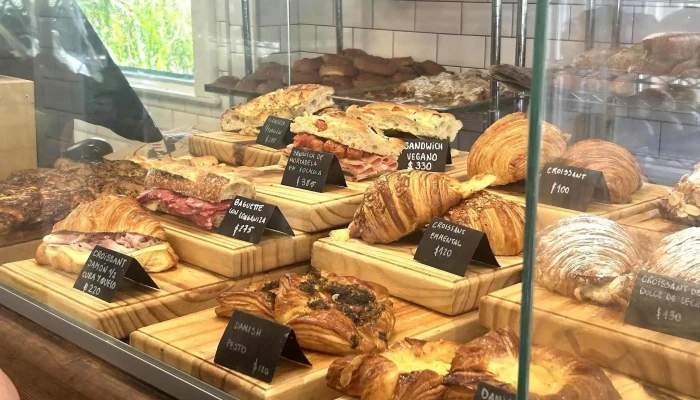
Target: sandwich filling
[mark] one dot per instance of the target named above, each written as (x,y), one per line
(202,213)
(122,242)
(358,163)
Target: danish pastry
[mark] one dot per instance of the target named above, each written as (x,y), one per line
(503,221)
(683,203)
(589,258)
(502,149)
(622,173)
(554,374)
(329,313)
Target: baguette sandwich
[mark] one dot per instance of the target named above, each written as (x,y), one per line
(201,196)
(362,151)
(400,119)
(116,223)
(288,103)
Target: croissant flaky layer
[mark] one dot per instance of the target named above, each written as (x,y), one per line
(677,256)
(621,170)
(503,221)
(399,203)
(329,313)
(587,257)
(502,149)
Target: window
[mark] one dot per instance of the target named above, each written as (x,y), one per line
(152,36)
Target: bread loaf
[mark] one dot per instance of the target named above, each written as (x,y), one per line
(672,46)
(375,65)
(338,70)
(308,64)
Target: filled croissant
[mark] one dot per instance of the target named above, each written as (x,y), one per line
(503,221)
(399,203)
(621,170)
(502,149)
(677,256)
(589,258)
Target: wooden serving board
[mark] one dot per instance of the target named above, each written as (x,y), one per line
(189,344)
(314,212)
(642,200)
(183,290)
(235,258)
(393,265)
(651,220)
(233,148)
(599,334)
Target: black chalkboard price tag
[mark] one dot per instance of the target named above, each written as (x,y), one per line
(312,170)
(451,247)
(105,270)
(485,391)
(425,155)
(275,133)
(572,188)
(253,346)
(665,305)
(247,219)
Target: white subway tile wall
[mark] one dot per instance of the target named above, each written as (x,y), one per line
(420,46)
(438,17)
(395,15)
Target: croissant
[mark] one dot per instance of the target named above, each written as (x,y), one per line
(683,203)
(554,374)
(502,149)
(503,221)
(677,256)
(589,258)
(399,203)
(329,313)
(621,170)
(410,369)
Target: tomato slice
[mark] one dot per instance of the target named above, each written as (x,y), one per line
(321,125)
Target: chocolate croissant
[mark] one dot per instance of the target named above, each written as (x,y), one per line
(502,149)
(399,203)
(623,175)
(589,258)
(503,221)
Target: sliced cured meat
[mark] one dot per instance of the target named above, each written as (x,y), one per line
(362,165)
(122,242)
(202,213)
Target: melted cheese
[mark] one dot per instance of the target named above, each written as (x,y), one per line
(409,363)
(543,381)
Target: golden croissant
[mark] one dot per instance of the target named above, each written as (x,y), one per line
(677,256)
(502,149)
(503,221)
(399,203)
(622,173)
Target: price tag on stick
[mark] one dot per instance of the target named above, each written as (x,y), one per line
(425,155)
(253,346)
(247,219)
(572,188)
(275,133)
(451,247)
(485,391)
(105,270)
(312,170)
(665,305)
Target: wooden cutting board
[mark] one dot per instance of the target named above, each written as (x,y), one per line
(189,344)
(314,212)
(393,266)
(235,258)
(234,149)
(599,334)
(642,200)
(183,290)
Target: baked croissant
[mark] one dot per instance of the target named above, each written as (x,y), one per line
(677,256)
(623,175)
(554,374)
(502,149)
(329,313)
(683,203)
(587,257)
(399,203)
(410,369)
(503,221)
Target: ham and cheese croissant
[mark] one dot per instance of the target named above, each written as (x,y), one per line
(399,203)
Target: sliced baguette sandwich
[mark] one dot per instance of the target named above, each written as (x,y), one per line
(203,197)
(363,152)
(116,223)
(288,103)
(416,121)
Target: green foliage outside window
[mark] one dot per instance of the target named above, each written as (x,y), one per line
(145,34)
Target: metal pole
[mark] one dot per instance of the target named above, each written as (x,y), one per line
(617,24)
(247,46)
(520,42)
(289,47)
(339,25)
(590,24)
(496,8)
